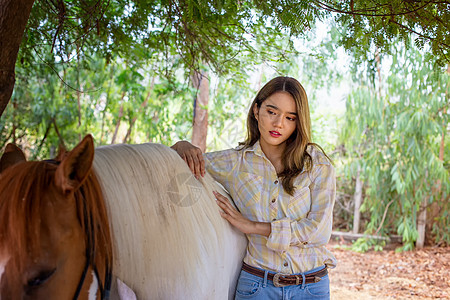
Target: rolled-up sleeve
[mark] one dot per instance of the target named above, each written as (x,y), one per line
(280,235)
(315,229)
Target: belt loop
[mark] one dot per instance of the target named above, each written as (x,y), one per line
(265,278)
(303,281)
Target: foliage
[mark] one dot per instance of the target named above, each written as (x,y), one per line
(127,63)
(199,32)
(120,101)
(395,140)
(227,111)
(364,245)
(377,24)
(215,32)
(47,110)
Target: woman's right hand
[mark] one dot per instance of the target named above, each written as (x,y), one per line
(192,155)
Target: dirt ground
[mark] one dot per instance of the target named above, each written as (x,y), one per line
(419,274)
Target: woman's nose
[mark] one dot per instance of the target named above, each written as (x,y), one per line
(278,121)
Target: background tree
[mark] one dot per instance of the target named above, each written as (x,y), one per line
(200,30)
(200,81)
(395,140)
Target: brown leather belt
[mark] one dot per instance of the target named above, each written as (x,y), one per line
(280,279)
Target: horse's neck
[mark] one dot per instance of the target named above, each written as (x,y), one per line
(165,223)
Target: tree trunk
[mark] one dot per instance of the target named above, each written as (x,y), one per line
(200,128)
(61,140)
(14,15)
(78,94)
(378,60)
(119,117)
(421,223)
(357,199)
(108,95)
(130,128)
(143,106)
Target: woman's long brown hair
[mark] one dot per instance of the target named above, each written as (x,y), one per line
(295,158)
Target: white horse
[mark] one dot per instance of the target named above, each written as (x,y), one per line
(170,241)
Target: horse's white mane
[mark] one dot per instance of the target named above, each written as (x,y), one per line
(170,241)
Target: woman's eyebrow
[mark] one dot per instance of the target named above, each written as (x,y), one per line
(274,107)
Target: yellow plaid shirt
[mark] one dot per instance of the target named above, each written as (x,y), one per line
(301,224)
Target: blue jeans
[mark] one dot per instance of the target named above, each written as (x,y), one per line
(253,287)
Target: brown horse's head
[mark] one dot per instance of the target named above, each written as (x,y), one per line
(53,226)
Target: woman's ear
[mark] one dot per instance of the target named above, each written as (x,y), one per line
(255,111)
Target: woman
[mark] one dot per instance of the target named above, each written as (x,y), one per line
(284,188)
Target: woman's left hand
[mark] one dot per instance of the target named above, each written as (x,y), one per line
(236,219)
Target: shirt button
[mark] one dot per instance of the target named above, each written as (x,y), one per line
(273,200)
(275,182)
(286,264)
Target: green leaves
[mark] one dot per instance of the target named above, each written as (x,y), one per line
(215,32)
(398,139)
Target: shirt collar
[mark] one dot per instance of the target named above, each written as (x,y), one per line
(256,148)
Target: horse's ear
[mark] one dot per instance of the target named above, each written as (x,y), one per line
(11,156)
(75,166)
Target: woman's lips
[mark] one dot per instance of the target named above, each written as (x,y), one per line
(275,133)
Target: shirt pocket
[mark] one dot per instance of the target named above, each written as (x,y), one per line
(248,188)
(299,204)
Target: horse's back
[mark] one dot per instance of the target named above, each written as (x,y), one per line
(170,241)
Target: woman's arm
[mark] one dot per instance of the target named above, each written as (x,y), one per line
(235,218)
(192,155)
(315,229)
(311,231)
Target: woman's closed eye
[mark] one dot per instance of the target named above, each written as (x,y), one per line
(271,112)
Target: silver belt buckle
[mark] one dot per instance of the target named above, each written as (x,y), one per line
(276,280)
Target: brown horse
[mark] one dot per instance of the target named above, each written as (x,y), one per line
(52,216)
(70,226)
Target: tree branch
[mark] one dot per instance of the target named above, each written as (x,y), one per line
(61,140)
(362,12)
(413,31)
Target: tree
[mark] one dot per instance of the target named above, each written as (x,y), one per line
(200,120)
(46,108)
(398,137)
(377,24)
(13,19)
(200,30)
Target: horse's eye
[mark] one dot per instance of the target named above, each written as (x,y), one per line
(41,278)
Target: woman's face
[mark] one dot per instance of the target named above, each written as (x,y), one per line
(276,119)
